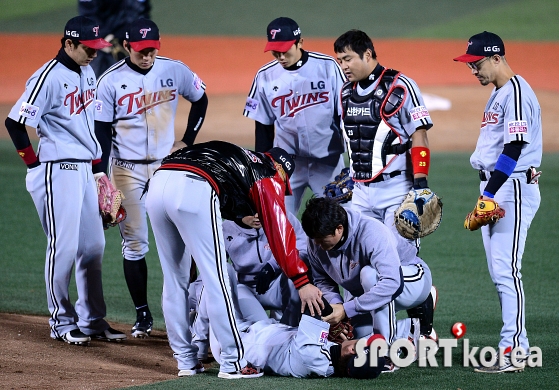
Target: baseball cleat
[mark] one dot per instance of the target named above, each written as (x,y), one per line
(197,369)
(109,334)
(142,327)
(506,367)
(75,337)
(248,372)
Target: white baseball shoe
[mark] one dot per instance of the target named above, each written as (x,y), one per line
(248,372)
(197,369)
(506,367)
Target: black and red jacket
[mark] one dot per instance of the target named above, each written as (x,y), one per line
(246,183)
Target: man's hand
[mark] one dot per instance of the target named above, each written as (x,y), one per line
(337,315)
(311,296)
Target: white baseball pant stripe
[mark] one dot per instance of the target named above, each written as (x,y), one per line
(65,196)
(184,213)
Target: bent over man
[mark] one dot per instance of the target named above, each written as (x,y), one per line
(188,196)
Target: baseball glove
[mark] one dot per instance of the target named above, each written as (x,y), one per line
(341,189)
(419,214)
(485,212)
(340,332)
(110,200)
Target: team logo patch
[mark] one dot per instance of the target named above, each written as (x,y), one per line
(518,127)
(323,337)
(419,113)
(251,104)
(98,106)
(28,110)
(68,167)
(197,82)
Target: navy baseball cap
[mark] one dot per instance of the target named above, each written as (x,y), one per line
(86,31)
(482,45)
(365,371)
(282,34)
(283,158)
(143,33)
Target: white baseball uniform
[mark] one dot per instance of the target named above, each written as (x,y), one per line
(511,114)
(59,102)
(303,104)
(142,109)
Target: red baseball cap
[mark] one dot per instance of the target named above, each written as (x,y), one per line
(86,31)
(482,45)
(282,34)
(143,33)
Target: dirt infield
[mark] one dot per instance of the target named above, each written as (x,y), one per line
(228,66)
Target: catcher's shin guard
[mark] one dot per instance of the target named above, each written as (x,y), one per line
(424,312)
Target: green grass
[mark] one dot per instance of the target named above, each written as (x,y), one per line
(513,20)
(454,255)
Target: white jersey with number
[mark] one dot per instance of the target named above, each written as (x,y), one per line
(59,103)
(512,113)
(303,105)
(143,107)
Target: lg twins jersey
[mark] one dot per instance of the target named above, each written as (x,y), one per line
(58,102)
(142,107)
(303,104)
(512,114)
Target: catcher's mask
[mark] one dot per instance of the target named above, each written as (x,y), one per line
(287,163)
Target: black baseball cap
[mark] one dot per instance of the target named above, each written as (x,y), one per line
(143,33)
(282,34)
(283,158)
(482,45)
(86,31)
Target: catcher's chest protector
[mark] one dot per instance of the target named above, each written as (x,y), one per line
(372,141)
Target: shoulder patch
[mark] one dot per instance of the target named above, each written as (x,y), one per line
(28,110)
(518,127)
(98,106)
(197,82)
(251,104)
(419,113)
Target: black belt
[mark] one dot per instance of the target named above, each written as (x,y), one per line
(484,177)
(380,178)
(136,161)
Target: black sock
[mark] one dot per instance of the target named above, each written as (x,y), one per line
(136,275)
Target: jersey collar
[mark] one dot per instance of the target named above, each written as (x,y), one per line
(136,68)
(374,76)
(65,60)
(302,61)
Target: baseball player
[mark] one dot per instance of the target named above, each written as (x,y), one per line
(114,16)
(385,124)
(508,149)
(59,102)
(136,108)
(351,250)
(296,96)
(189,194)
(257,269)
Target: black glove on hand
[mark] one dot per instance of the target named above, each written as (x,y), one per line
(264,278)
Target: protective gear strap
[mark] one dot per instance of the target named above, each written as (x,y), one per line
(420,159)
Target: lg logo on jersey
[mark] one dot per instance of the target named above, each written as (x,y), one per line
(166,83)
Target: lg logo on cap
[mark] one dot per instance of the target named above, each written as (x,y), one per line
(492,48)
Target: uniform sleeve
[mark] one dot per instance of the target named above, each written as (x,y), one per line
(191,86)
(329,288)
(414,113)
(518,115)
(105,104)
(386,262)
(33,103)
(338,83)
(257,106)
(301,237)
(268,197)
